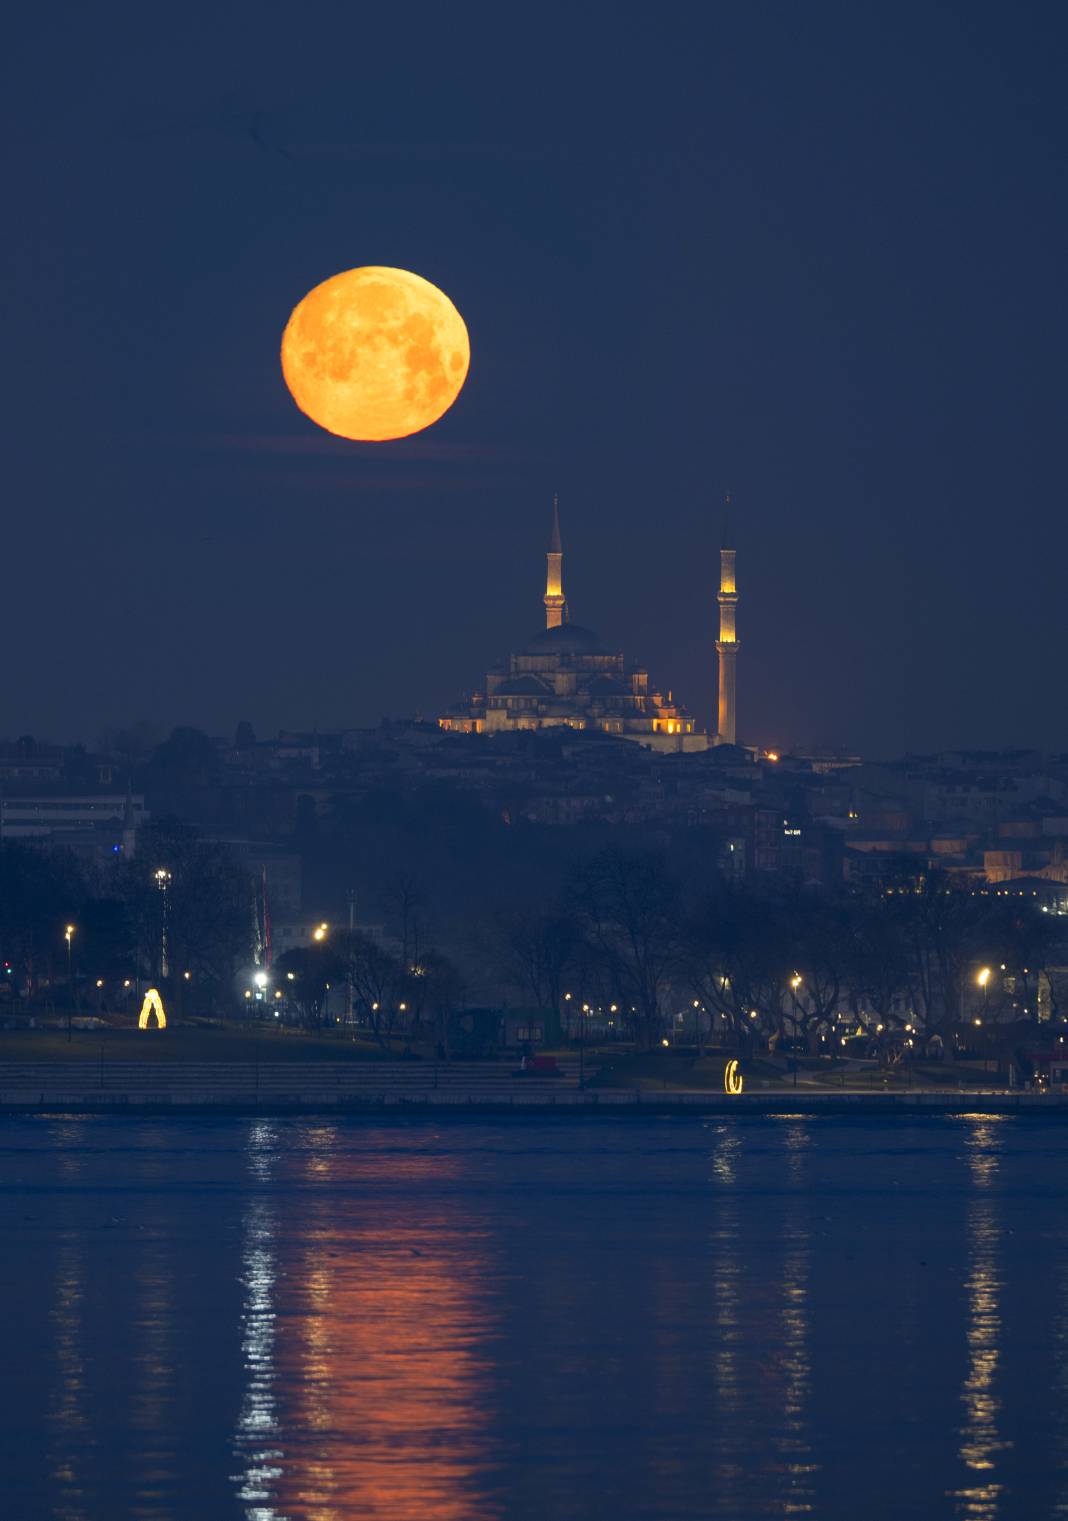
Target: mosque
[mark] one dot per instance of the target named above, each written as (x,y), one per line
(565,676)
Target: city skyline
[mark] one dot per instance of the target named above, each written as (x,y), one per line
(533,807)
(815,260)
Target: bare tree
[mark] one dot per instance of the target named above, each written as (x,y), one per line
(405,906)
(377,982)
(628,907)
(738,960)
(535,953)
(306,974)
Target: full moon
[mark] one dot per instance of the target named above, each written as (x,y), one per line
(375,353)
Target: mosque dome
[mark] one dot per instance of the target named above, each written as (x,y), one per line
(565,639)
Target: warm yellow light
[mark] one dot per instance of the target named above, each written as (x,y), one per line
(153,1004)
(772,755)
(69,931)
(984,977)
(665,1041)
(732,1078)
(795,981)
(188,976)
(375,353)
(100,982)
(402,1007)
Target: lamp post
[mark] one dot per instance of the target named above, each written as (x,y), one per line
(68,935)
(983,980)
(163,878)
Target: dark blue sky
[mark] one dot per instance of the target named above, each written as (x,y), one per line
(813,252)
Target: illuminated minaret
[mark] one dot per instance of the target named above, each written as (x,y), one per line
(555,604)
(727,647)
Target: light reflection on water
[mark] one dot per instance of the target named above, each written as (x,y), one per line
(981,1444)
(67,1414)
(257,1427)
(794,1440)
(279,1321)
(366,1382)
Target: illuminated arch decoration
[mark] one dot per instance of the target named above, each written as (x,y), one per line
(732,1078)
(153,1004)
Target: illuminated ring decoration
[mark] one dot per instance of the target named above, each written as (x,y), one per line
(732,1078)
(153,1004)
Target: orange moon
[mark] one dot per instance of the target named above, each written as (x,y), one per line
(375,353)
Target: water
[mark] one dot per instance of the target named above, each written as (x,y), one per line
(255,1320)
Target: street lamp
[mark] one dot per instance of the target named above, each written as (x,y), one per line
(163,878)
(983,980)
(68,935)
(320,931)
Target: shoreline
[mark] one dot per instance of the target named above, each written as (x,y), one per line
(611,1103)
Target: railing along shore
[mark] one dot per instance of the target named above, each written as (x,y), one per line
(374,1086)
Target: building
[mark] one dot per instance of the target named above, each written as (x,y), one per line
(91,824)
(565,677)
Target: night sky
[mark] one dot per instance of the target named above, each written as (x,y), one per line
(814,253)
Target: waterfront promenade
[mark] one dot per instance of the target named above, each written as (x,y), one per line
(450,1087)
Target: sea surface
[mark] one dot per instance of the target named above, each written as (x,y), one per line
(542,1320)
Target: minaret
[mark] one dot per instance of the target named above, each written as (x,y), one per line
(727,647)
(555,605)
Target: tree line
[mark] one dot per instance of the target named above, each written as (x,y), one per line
(629,943)
(750,961)
(181,914)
